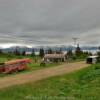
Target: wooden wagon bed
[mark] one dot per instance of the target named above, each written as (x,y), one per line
(14,65)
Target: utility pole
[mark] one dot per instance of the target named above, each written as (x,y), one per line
(75,40)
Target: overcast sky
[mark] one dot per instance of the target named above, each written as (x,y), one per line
(39,22)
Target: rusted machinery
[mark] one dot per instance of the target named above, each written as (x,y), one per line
(14,65)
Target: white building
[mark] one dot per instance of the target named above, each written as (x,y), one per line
(92,59)
(28,53)
(54,57)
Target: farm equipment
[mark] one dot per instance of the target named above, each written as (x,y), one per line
(14,65)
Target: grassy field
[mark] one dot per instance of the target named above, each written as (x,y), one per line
(80,85)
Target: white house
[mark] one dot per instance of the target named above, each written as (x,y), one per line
(28,53)
(54,57)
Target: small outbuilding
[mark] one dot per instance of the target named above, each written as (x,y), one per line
(54,57)
(28,53)
(92,59)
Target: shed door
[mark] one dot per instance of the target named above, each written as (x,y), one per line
(89,60)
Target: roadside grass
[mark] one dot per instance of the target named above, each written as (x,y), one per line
(37,66)
(79,85)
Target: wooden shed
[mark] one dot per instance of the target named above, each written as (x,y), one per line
(92,59)
(14,65)
(54,57)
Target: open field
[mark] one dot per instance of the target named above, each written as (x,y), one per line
(40,74)
(79,85)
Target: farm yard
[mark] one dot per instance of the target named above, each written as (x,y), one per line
(49,50)
(39,61)
(44,59)
(72,79)
(33,65)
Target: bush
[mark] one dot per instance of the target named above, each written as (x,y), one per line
(97,66)
(74,57)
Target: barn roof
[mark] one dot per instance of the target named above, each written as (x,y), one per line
(54,56)
(92,56)
(18,61)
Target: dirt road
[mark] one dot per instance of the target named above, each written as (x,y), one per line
(40,74)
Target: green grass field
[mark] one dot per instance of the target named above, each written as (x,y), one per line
(80,85)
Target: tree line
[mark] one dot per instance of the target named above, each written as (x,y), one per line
(70,54)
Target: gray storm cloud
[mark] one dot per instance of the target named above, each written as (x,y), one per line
(49,21)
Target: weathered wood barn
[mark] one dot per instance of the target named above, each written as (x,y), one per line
(14,65)
(54,57)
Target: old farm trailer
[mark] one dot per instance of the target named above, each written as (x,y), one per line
(14,65)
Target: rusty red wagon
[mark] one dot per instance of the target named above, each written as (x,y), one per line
(14,65)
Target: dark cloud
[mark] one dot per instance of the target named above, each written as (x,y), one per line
(49,21)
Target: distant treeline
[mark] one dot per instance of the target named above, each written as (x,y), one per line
(78,52)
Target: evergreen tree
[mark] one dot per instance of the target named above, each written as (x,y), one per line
(50,51)
(98,53)
(1,51)
(23,53)
(60,50)
(99,48)
(78,51)
(33,52)
(16,52)
(69,53)
(41,54)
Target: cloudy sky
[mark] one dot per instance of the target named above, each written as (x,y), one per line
(49,22)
